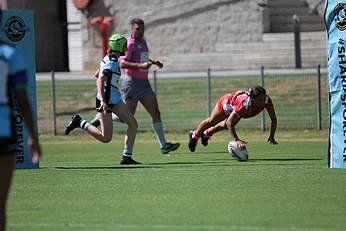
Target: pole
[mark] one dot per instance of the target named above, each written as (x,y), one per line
(319,116)
(155,82)
(263,122)
(209,92)
(54,103)
(296,30)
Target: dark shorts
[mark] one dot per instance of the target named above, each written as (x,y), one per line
(8,146)
(135,89)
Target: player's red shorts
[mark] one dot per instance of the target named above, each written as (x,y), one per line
(223,105)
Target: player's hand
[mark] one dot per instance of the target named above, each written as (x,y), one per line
(104,107)
(35,150)
(241,144)
(271,140)
(156,62)
(146,65)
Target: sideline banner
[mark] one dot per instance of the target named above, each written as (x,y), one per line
(335,19)
(17,28)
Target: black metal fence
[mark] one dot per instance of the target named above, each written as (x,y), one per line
(300,98)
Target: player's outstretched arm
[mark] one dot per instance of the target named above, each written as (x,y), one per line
(273,126)
(231,122)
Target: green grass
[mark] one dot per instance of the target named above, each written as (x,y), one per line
(81,186)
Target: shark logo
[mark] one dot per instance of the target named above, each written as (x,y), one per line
(15,28)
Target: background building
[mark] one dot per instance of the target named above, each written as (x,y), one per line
(50,32)
(188,35)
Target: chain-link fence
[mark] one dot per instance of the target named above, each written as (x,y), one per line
(185,100)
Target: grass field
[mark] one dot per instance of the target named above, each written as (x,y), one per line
(81,186)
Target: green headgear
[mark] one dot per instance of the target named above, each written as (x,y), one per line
(117,42)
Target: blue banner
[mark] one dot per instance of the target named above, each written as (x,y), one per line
(17,28)
(335,19)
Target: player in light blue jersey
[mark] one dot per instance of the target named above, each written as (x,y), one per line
(13,96)
(108,100)
(135,83)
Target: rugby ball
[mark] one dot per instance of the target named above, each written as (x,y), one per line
(237,153)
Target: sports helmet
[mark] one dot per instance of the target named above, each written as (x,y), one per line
(117,43)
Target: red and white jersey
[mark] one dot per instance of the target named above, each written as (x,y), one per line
(240,103)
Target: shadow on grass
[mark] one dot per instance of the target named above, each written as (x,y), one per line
(216,162)
(209,152)
(177,163)
(284,159)
(142,166)
(93,167)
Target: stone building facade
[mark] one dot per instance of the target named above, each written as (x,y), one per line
(188,35)
(176,27)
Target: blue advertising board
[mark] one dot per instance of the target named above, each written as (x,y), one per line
(335,20)
(17,28)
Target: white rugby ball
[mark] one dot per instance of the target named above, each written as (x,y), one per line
(237,153)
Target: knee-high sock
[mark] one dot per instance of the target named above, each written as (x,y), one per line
(160,135)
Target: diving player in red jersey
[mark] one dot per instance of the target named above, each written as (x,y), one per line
(228,111)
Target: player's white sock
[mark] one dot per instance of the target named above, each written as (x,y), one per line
(206,134)
(160,135)
(194,135)
(127,152)
(84,124)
